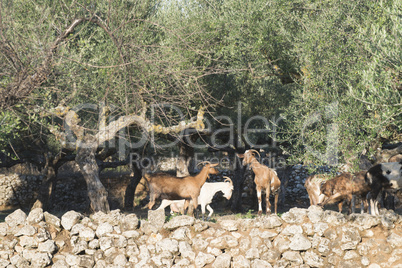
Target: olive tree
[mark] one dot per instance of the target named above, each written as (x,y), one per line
(348,100)
(88,70)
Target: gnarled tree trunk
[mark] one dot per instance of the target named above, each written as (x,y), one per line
(132,186)
(89,168)
(238,181)
(186,152)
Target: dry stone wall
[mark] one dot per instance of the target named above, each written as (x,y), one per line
(17,190)
(299,238)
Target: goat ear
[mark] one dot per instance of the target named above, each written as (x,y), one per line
(240,155)
(214,165)
(369,178)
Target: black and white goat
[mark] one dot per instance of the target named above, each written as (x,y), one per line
(380,177)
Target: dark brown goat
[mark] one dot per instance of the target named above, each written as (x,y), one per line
(166,186)
(343,187)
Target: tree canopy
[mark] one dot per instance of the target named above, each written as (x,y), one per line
(330,70)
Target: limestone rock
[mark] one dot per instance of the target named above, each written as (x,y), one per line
(27,230)
(18,217)
(203,259)
(156,218)
(229,225)
(179,221)
(299,242)
(103,229)
(69,219)
(222,261)
(35,216)
(52,219)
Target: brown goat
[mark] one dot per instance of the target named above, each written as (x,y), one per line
(166,186)
(265,178)
(343,187)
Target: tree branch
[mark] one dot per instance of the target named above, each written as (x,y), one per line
(24,83)
(109,131)
(124,121)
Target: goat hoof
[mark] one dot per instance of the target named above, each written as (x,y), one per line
(259,213)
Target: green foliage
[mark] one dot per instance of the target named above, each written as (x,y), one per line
(349,54)
(10,128)
(330,67)
(243,44)
(249,215)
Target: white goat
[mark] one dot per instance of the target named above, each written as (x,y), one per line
(208,190)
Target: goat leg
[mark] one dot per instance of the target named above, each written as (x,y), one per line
(276,202)
(194,199)
(312,198)
(268,204)
(353,204)
(340,206)
(186,205)
(151,201)
(259,201)
(373,204)
(349,203)
(374,207)
(210,212)
(364,206)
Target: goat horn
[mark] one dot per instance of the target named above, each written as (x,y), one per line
(228,179)
(203,163)
(251,150)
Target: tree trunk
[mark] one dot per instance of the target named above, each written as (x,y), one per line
(89,168)
(130,190)
(284,175)
(47,185)
(186,152)
(238,181)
